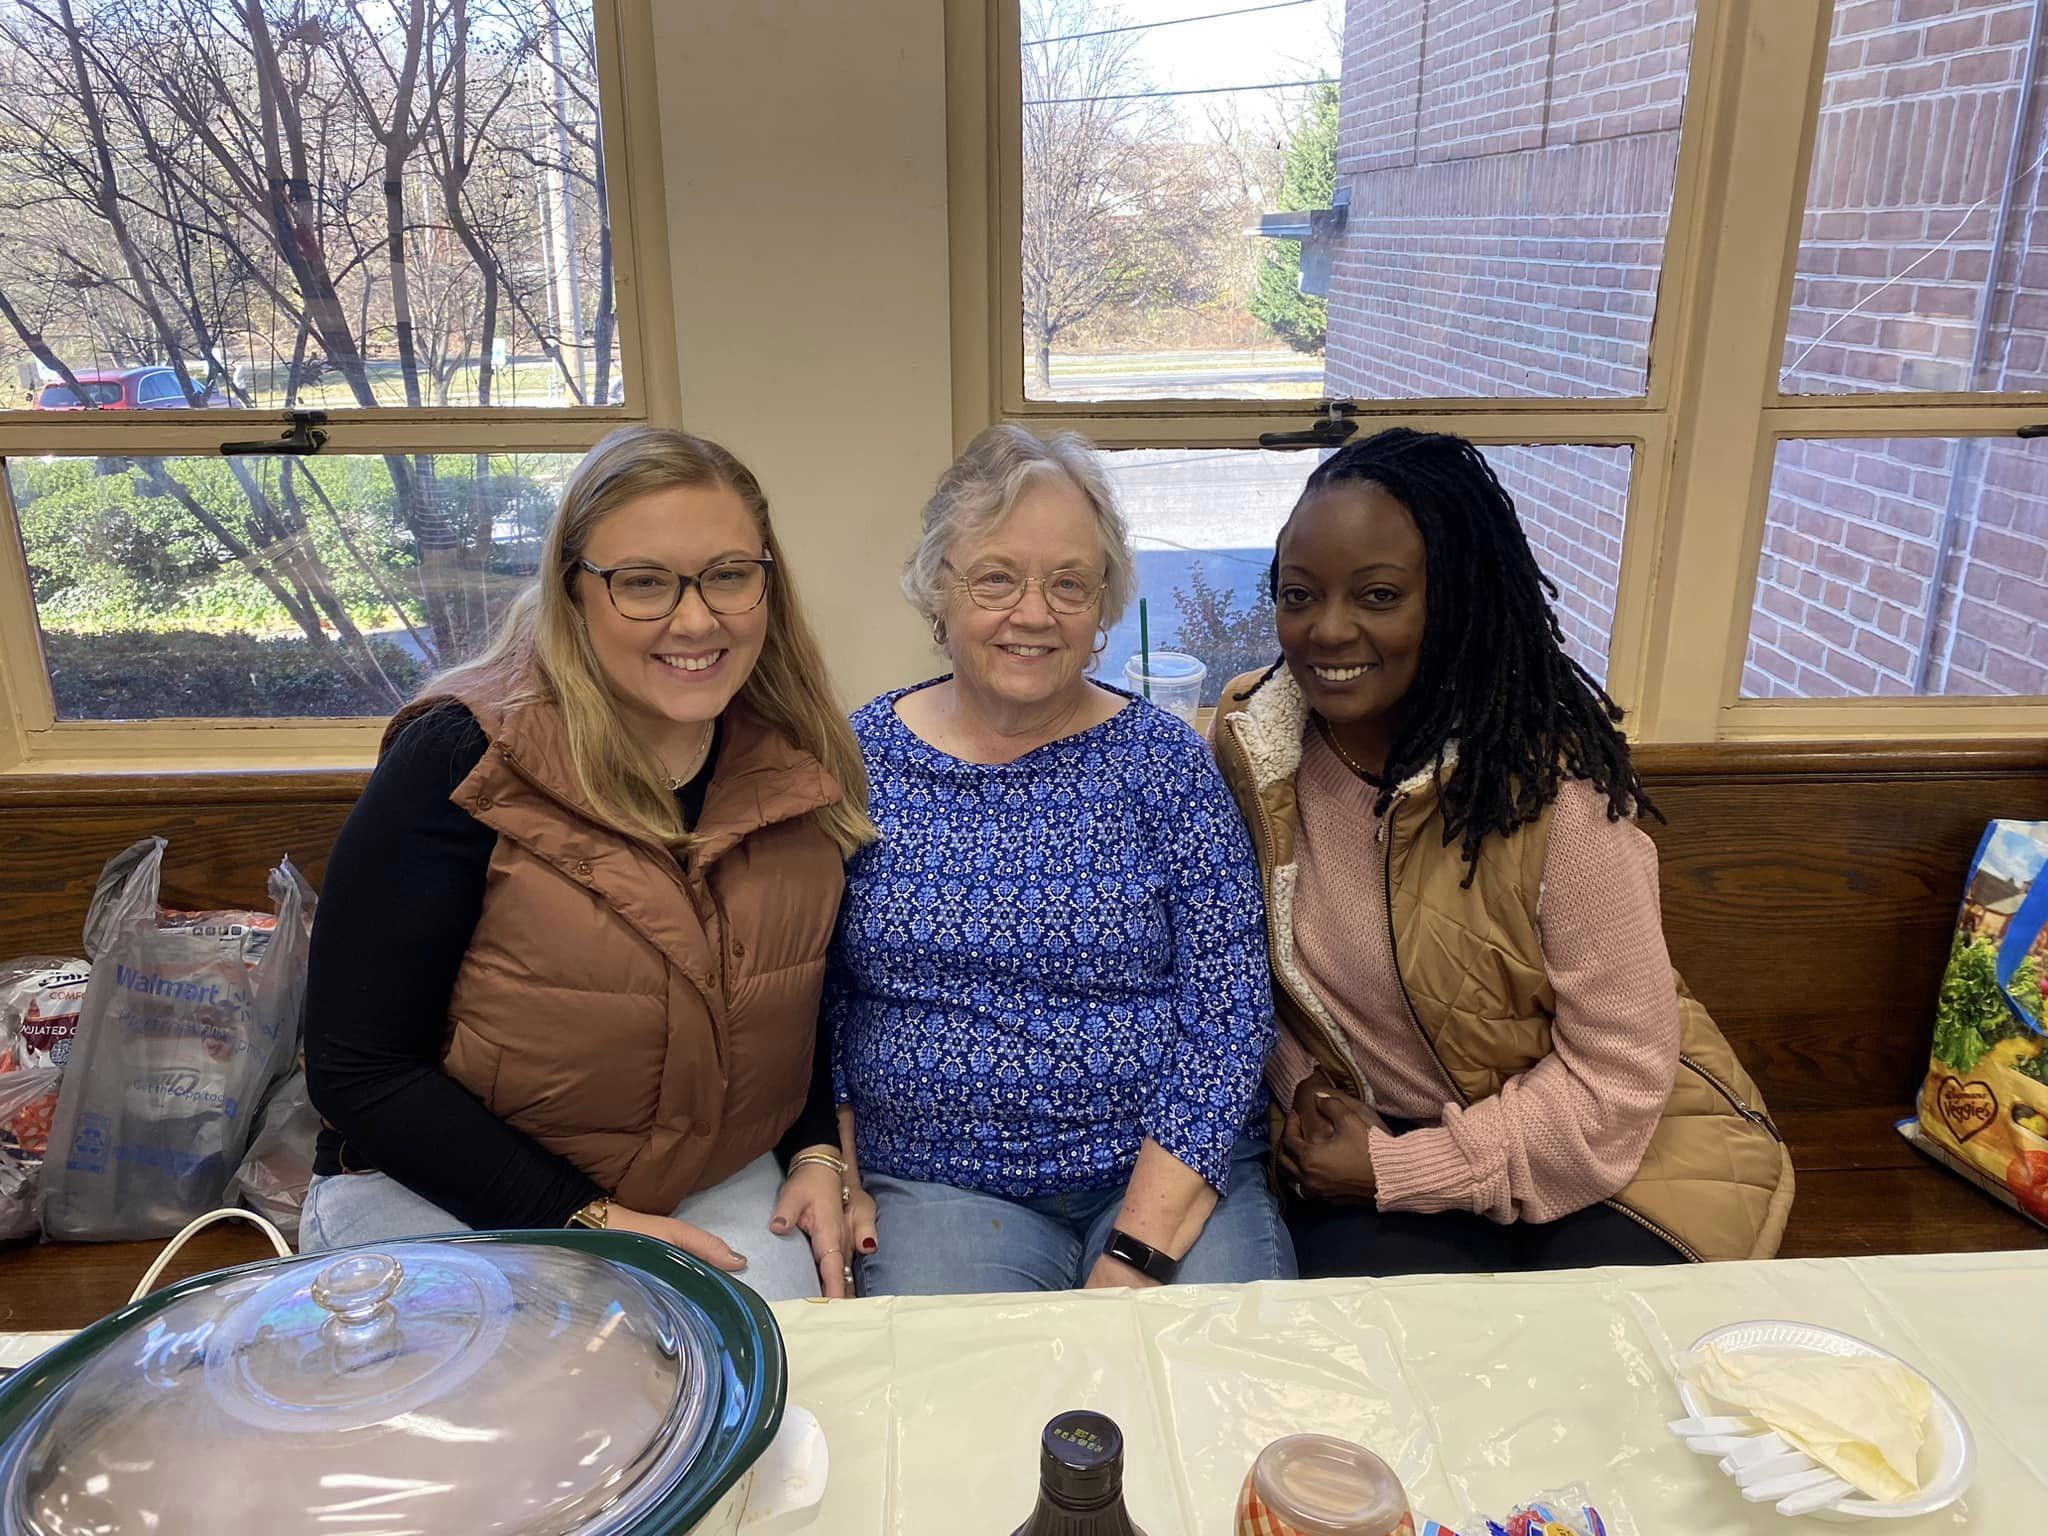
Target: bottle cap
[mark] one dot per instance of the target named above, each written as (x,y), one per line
(1081,1458)
(1320,1486)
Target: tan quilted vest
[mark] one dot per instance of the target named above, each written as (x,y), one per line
(650,1021)
(1716,1181)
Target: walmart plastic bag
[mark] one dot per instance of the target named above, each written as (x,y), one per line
(188,1019)
(273,1177)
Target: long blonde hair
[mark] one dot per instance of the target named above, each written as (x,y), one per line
(542,650)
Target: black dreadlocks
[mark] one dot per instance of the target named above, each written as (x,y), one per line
(1493,674)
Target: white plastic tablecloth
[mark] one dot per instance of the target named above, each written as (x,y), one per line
(1480,1392)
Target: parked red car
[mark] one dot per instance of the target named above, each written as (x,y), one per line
(126,389)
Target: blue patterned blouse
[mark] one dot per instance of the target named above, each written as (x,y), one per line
(1041,963)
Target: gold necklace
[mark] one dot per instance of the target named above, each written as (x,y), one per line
(677,780)
(1336,746)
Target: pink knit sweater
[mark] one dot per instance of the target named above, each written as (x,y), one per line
(1573,1128)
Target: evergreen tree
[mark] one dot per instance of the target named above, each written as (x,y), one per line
(1308,179)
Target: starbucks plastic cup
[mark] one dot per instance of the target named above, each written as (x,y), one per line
(1172,681)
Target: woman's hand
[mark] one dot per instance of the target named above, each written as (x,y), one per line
(834,1216)
(1326,1146)
(678,1234)
(860,1213)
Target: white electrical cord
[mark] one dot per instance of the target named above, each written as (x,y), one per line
(225,1213)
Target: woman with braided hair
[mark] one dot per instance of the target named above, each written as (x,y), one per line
(1488,1061)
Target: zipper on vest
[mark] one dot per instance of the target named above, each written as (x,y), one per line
(1636,1216)
(1422,1034)
(1394,949)
(1337,1048)
(1753,1116)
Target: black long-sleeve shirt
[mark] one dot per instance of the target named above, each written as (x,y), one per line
(404,891)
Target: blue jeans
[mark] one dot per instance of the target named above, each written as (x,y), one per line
(345,1209)
(937,1240)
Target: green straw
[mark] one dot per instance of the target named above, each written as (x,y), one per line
(1145,647)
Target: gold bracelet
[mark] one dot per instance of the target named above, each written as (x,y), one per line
(597,1214)
(821,1158)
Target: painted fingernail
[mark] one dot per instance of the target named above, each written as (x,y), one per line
(780,1223)
(867,1245)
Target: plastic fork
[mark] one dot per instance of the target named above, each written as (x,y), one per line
(1820,1496)
(1770,1466)
(1770,1490)
(1765,1466)
(1734,1424)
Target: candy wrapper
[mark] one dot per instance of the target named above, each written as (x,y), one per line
(1566,1512)
(39,1005)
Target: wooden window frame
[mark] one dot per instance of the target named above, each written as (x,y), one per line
(33,740)
(1704,432)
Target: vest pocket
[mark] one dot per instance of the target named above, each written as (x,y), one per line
(1735,1102)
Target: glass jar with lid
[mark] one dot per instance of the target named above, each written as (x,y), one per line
(593,1383)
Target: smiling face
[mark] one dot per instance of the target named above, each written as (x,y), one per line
(1030,656)
(684,669)
(1350,605)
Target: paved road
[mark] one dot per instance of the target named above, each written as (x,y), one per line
(1266,374)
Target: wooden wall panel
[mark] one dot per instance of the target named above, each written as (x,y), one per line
(1808,891)
(226,833)
(1810,896)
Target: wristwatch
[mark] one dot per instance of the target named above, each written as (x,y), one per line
(597,1214)
(1143,1257)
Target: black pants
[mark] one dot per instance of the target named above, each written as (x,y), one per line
(1360,1240)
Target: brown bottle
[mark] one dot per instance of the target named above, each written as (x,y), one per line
(1080,1479)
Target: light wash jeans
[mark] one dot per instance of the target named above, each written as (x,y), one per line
(345,1209)
(938,1240)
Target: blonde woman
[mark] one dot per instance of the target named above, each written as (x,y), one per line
(567,962)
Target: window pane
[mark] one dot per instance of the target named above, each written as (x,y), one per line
(438,234)
(1847,600)
(269,587)
(1204,523)
(1364,198)
(1918,264)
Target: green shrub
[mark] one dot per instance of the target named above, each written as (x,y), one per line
(1229,640)
(137,675)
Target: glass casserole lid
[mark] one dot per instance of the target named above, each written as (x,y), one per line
(493,1383)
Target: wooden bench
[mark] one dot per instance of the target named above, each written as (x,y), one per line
(1809,896)
(1810,899)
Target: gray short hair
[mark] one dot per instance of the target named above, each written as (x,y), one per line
(982,488)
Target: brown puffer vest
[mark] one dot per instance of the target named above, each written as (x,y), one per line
(650,1021)
(1716,1181)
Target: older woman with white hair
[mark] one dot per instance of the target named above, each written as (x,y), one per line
(1047,990)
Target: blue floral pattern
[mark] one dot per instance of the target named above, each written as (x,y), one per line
(1041,963)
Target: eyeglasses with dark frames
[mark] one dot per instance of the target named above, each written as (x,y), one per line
(651,592)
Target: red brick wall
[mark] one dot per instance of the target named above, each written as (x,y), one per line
(1572,499)
(1910,158)
(1620,68)
(1511,166)
(1505,44)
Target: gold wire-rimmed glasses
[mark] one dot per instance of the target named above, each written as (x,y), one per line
(998,589)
